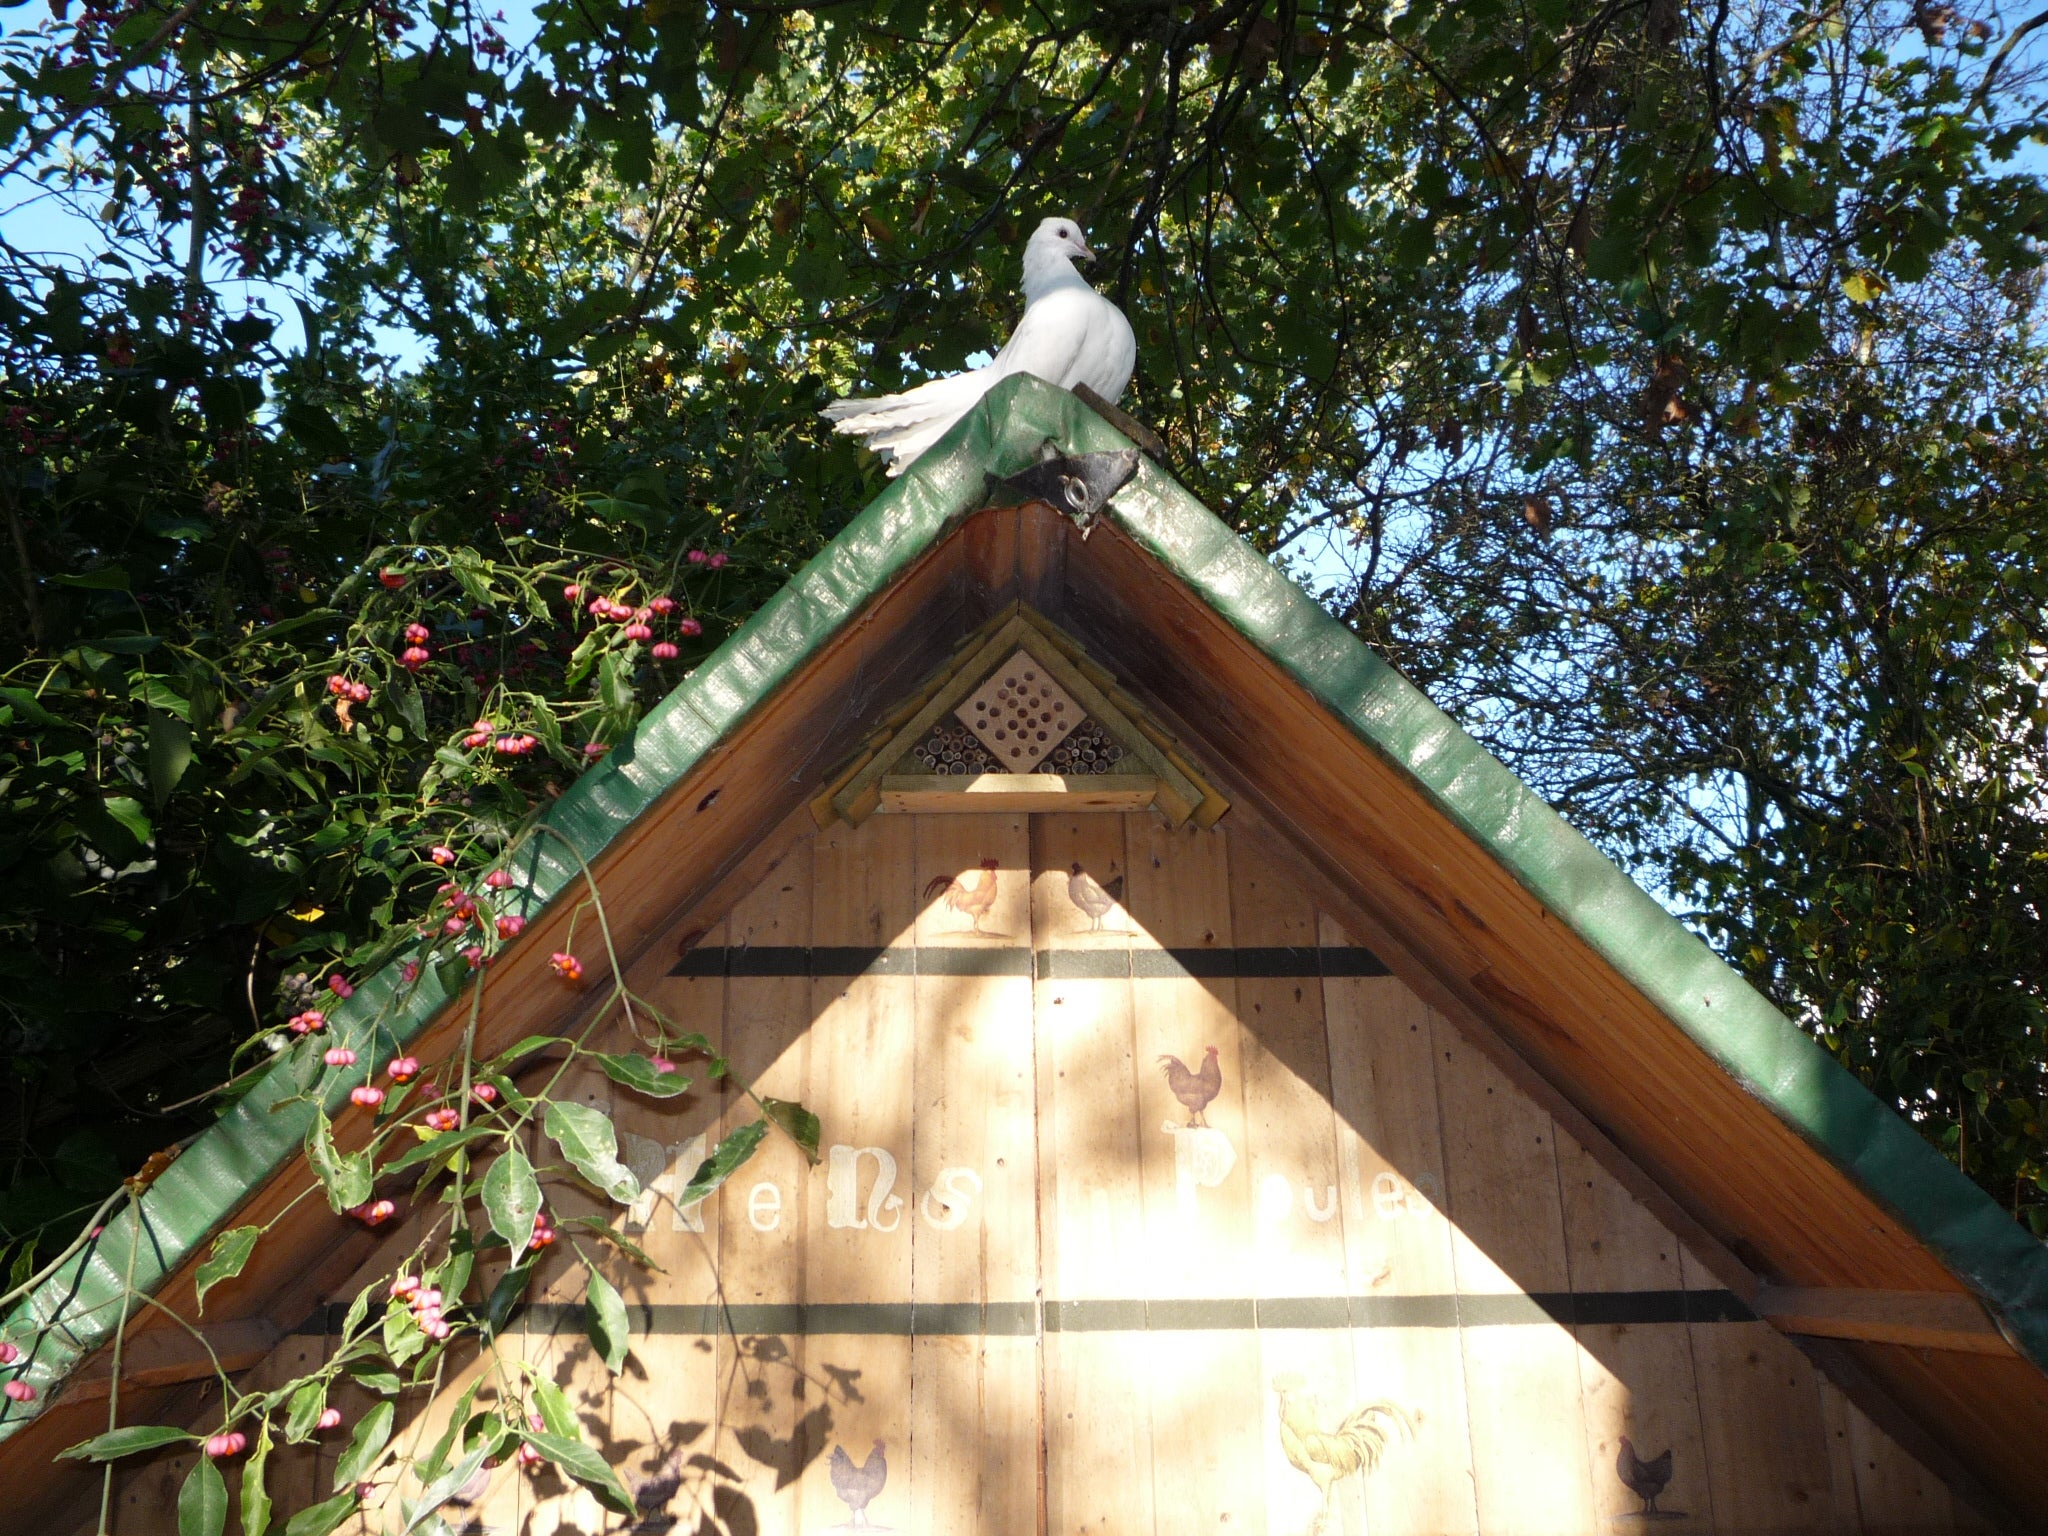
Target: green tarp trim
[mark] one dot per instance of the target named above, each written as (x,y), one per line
(77,1309)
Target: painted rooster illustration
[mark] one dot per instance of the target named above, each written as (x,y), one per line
(1329,1456)
(974,900)
(861,1485)
(1194,1089)
(1644,1479)
(1096,900)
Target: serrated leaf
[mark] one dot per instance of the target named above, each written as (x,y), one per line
(585,1465)
(798,1123)
(323,1517)
(203,1501)
(224,1260)
(723,1162)
(365,1445)
(604,1320)
(116,1443)
(346,1176)
(638,1073)
(587,1140)
(512,1198)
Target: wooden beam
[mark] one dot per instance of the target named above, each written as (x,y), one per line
(166,1356)
(934,792)
(1922,1319)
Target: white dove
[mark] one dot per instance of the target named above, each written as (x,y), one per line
(1070,335)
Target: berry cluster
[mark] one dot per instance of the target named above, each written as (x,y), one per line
(342,688)
(424,1302)
(16,1389)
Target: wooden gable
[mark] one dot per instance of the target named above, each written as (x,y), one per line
(1355,1279)
(1632,1156)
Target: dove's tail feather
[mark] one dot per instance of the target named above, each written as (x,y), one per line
(900,427)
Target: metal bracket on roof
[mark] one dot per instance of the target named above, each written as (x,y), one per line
(1078,485)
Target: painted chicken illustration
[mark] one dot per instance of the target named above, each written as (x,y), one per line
(1328,1456)
(1644,1479)
(1194,1089)
(1096,900)
(859,1486)
(973,900)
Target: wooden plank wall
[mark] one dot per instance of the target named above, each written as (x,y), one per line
(1055,1296)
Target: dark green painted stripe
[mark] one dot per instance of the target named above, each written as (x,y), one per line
(1014,1319)
(1010,960)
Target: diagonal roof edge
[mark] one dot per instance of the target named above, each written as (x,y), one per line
(77,1309)
(1644,944)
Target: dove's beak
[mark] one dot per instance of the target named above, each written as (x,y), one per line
(1083,252)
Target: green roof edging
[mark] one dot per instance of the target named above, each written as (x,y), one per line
(1658,955)
(249,1143)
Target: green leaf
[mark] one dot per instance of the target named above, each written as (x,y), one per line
(365,1445)
(108,578)
(304,1410)
(170,753)
(554,1409)
(203,1501)
(604,1319)
(588,1141)
(442,1488)
(225,1259)
(347,1176)
(585,1465)
(255,1497)
(1862,287)
(439,1143)
(638,1073)
(617,1239)
(525,1047)
(723,1162)
(796,1122)
(116,1443)
(506,1295)
(322,1518)
(130,814)
(512,1198)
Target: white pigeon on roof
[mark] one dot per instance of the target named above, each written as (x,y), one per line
(1070,335)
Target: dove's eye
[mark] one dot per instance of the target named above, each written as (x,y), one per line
(1064,233)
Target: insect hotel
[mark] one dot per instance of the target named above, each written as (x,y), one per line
(1243,1109)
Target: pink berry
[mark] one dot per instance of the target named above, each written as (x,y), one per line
(566,966)
(403,1069)
(474,954)
(413,658)
(662,1065)
(476,739)
(8,1354)
(337,684)
(339,1056)
(498,879)
(417,633)
(305,1023)
(509,926)
(330,1418)
(484,1093)
(639,632)
(392,579)
(689,627)
(409,971)
(369,1096)
(441,854)
(339,986)
(21,1391)
(442,1119)
(663,604)
(454,925)
(696,557)
(600,606)
(405,1285)
(718,560)
(376,1213)
(571,592)
(664,651)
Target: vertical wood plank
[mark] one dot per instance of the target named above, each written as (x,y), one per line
(1206,1397)
(1397,1245)
(1760,1411)
(1521,1379)
(973,1182)
(1637,1377)
(1897,1496)
(766,1414)
(1098,1444)
(864,884)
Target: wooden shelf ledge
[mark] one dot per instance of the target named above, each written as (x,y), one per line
(162,1357)
(927,793)
(1923,1319)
